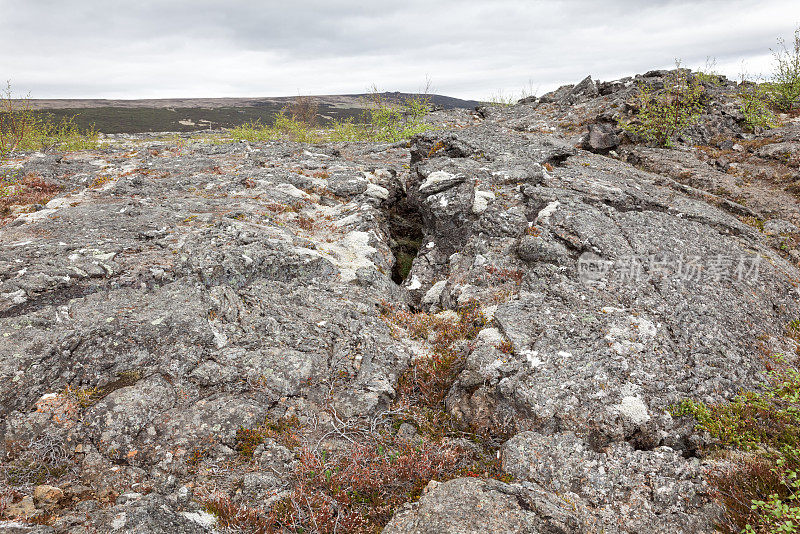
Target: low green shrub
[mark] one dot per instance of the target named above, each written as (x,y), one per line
(381,121)
(348,131)
(756,105)
(284,127)
(666,113)
(392,122)
(761,493)
(23,129)
(784,88)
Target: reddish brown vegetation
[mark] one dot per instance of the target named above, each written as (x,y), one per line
(505,275)
(751,478)
(359,488)
(506,347)
(304,109)
(356,490)
(306,223)
(30,190)
(284,431)
(428,380)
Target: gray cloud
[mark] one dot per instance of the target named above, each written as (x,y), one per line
(92,48)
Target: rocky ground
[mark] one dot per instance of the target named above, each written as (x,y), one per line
(226,337)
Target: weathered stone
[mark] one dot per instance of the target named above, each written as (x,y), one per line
(347,186)
(661,480)
(601,137)
(47,497)
(778,227)
(536,249)
(15,527)
(150,515)
(23,509)
(470,505)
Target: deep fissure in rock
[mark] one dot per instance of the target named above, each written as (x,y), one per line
(405,233)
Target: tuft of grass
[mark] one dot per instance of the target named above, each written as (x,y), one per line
(84,397)
(503,99)
(500,99)
(404,263)
(755,222)
(284,431)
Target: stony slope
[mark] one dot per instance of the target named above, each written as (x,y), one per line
(171,296)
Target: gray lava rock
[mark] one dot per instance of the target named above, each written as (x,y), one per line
(609,480)
(536,249)
(470,505)
(150,515)
(15,527)
(347,186)
(601,137)
(778,227)
(119,417)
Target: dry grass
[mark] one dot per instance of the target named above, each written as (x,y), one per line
(749,478)
(41,460)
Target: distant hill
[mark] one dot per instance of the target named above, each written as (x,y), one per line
(192,114)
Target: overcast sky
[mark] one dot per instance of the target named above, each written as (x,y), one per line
(470,49)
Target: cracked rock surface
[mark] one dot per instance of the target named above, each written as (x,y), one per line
(171,296)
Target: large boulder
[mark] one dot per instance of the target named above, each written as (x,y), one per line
(601,137)
(471,505)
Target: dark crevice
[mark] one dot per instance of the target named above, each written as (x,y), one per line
(53,298)
(558,160)
(644,441)
(405,237)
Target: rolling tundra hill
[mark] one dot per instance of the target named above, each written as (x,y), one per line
(192,114)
